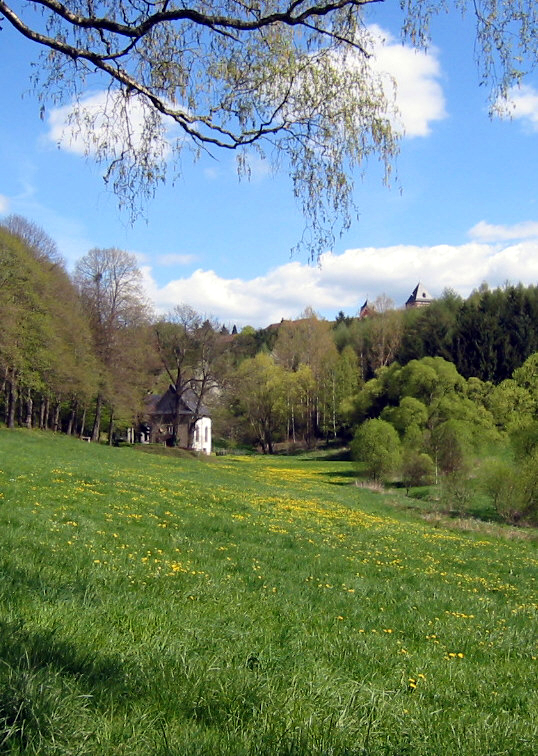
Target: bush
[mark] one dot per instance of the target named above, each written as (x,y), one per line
(377,445)
(524,440)
(417,469)
(513,490)
(456,493)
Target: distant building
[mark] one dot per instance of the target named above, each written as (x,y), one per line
(366,310)
(419,297)
(160,414)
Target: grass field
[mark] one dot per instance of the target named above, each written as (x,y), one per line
(161,606)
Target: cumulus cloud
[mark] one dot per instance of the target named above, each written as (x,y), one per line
(343,282)
(418,97)
(522,105)
(488,232)
(103,122)
(97,124)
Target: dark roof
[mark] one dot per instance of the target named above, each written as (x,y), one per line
(419,294)
(164,404)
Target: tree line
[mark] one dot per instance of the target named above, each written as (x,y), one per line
(79,354)
(487,336)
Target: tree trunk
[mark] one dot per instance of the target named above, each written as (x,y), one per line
(72,418)
(96,430)
(83,423)
(111,428)
(29,409)
(176,424)
(19,410)
(56,416)
(11,402)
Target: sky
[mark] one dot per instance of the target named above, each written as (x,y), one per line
(462,211)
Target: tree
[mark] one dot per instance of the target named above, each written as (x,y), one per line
(45,350)
(417,469)
(43,247)
(260,392)
(383,333)
(451,443)
(291,80)
(190,352)
(109,282)
(513,490)
(377,446)
(306,348)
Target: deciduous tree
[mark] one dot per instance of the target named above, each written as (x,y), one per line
(291,80)
(377,446)
(260,391)
(190,352)
(109,282)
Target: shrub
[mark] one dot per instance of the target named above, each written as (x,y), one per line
(513,490)
(456,493)
(417,469)
(377,445)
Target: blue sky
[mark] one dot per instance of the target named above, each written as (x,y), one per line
(462,210)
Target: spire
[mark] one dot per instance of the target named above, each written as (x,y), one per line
(420,297)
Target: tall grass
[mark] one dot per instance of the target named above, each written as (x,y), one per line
(154,605)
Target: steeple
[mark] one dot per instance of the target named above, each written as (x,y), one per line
(420,297)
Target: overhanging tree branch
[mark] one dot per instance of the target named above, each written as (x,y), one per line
(291,78)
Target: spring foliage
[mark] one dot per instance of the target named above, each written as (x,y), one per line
(290,81)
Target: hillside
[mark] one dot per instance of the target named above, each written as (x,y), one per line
(249,605)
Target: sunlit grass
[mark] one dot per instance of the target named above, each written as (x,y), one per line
(242,605)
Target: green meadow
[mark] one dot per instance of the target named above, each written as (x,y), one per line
(165,605)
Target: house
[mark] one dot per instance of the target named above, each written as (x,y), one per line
(159,421)
(419,297)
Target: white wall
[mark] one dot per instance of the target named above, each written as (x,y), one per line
(202,435)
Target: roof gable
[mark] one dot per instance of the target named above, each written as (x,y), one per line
(419,295)
(165,404)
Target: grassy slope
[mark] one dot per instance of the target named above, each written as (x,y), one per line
(166,606)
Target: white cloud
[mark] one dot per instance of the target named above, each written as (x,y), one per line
(96,125)
(419,98)
(343,282)
(102,124)
(487,232)
(175,259)
(4,204)
(521,104)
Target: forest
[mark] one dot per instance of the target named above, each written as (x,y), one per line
(423,388)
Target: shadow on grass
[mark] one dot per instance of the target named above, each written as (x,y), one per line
(32,650)
(339,477)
